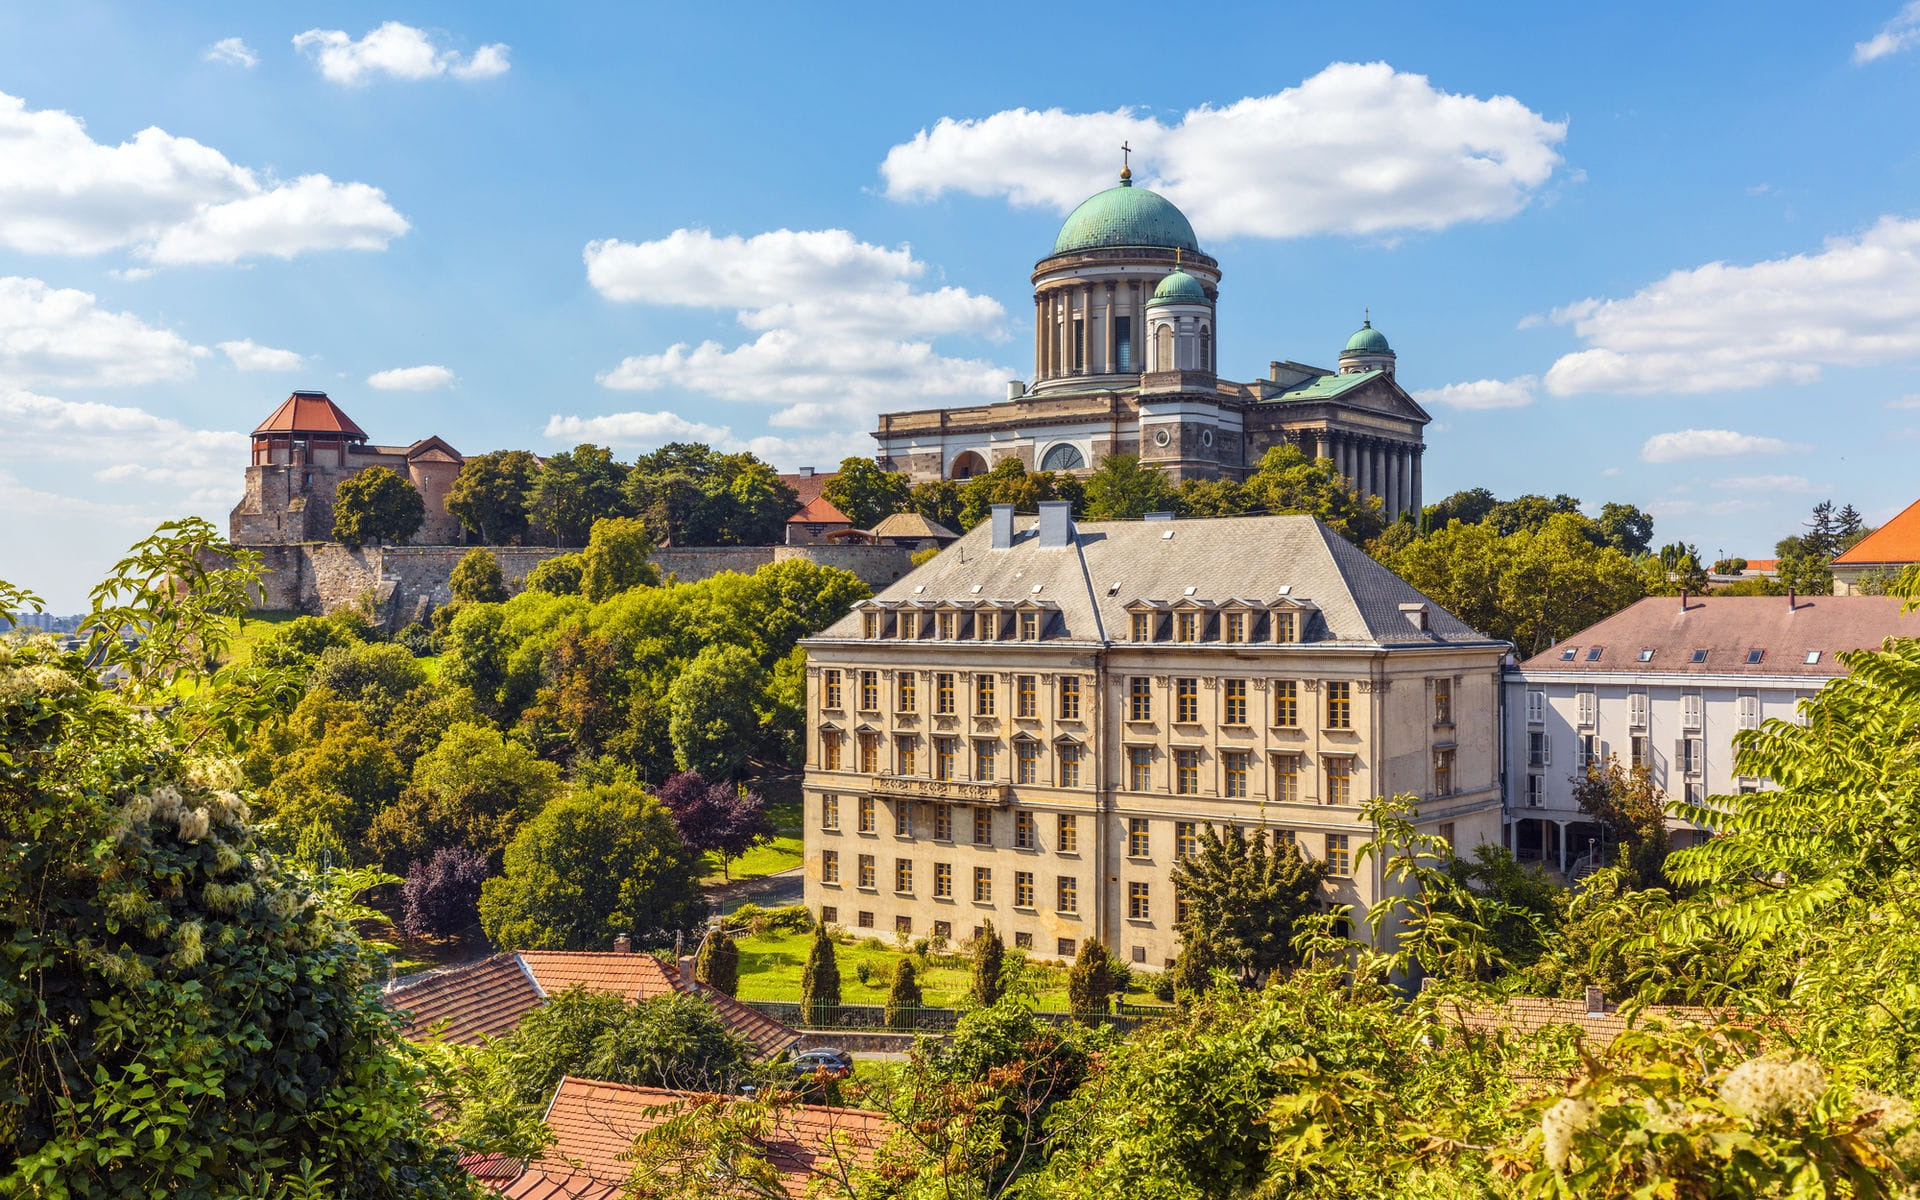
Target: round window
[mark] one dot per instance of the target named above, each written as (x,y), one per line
(1063,457)
(1161,437)
(1206,437)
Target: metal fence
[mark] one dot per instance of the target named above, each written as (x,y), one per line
(934,1020)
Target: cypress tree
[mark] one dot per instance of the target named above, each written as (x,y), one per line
(820,980)
(718,963)
(904,997)
(989,957)
(1091,979)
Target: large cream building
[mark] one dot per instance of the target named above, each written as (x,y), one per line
(1126,361)
(1032,727)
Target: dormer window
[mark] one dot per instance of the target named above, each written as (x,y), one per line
(1233,627)
(984,626)
(944,623)
(871,624)
(1286,627)
(1029,626)
(1142,627)
(907,626)
(1186,627)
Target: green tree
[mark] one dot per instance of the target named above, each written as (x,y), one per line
(866,493)
(1626,528)
(602,861)
(820,980)
(616,559)
(475,789)
(1287,481)
(559,576)
(376,505)
(343,781)
(1632,813)
(1529,512)
(714,707)
(576,488)
(1009,482)
(1093,979)
(718,963)
(476,579)
(903,997)
(1244,898)
(1121,489)
(989,967)
(937,500)
(491,494)
(1212,498)
(758,504)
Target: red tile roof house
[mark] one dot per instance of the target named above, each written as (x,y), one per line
(1889,549)
(816,521)
(487,999)
(594,1126)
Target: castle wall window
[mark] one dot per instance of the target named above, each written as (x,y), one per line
(829,866)
(1023,889)
(1234,702)
(944,625)
(1139,906)
(1137,843)
(943,881)
(903,926)
(903,875)
(870,691)
(1026,762)
(983,885)
(1286,704)
(943,699)
(1140,768)
(943,756)
(986,626)
(1286,778)
(1069,697)
(906,626)
(1026,696)
(1234,628)
(983,827)
(865,920)
(1025,836)
(1186,627)
(906,692)
(1186,839)
(905,756)
(1339,705)
(1443,772)
(869,754)
(868,872)
(1068,756)
(870,625)
(829,811)
(1339,779)
(1443,702)
(866,815)
(830,750)
(903,819)
(1186,772)
(1143,627)
(1285,627)
(1339,857)
(985,754)
(1139,698)
(1234,774)
(983,695)
(1063,947)
(830,689)
(1067,833)
(1186,701)
(943,822)
(1066,894)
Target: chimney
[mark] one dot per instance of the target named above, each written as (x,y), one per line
(1792,600)
(1273,370)
(1016,388)
(806,472)
(623,944)
(1596,1002)
(686,973)
(1056,523)
(1002,526)
(1683,599)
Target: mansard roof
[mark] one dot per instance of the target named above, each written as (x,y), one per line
(1727,630)
(310,412)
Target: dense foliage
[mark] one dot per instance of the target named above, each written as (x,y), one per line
(376,505)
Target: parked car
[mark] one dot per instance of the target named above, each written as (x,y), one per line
(838,1064)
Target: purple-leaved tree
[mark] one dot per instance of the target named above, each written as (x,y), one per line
(442,894)
(717,818)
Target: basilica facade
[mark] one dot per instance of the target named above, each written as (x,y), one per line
(1125,354)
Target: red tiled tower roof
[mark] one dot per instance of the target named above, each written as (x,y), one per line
(310,412)
(819,511)
(1897,542)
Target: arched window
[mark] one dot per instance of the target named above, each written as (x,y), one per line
(1163,348)
(1063,457)
(968,465)
(1206,348)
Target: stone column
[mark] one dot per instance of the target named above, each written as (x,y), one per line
(1366,467)
(1417,452)
(1086,330)
(1039,337)
(1112,356)
(1391,501)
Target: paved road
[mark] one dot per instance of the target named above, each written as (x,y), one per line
(768,891)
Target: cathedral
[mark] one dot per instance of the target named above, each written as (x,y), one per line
(1124,355)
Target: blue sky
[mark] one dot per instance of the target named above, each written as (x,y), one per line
(1663,254)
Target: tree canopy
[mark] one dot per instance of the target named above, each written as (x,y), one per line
(866,493)
(376,505)
(491,493)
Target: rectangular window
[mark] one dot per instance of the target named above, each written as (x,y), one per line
(1029,626)
(1754,657)
(1026,761)
(1691,707)
(1594,653)
(870,625)
(1642,750)
(869,691)
(903,875)
(866,814)
(1026,696)
(986,626)
(1143,627)
(1445,830)
(1139,698)
(943,755)
(943,694)
(905,692)
(829,914)
(1536,706)
(943,822)
(1443,702)
(983,695)
(1066,894)
(1186,772)
(829,689)
(866,920)
(1536,790)
(829,866)
(945,623)
(1692,756)
(1233,627)
(943,881)
(1186,627)
(1233,708)
(1186,839)
(943,931)
(1233,774)
(1539,748)
(1140,768)
(906,626)
(1068,756)
(903,818)
(1340,780)
(867,871)
(1139,906)
(1186,701)
(903,925)
(1749,712)
(1584,708)
(1062,947)
(1637,709)
(983,827)
(869,754)
(1443,772)
(830,750)
(829,812)
(1585,750)
(1023,889)
(905,754)
(1123,344)
(1339,859)
(1286,704)
(983,885)
(1339,704)
(1137,845)
(1286,778)
(985,755)
(1068,830)
(1285,627)
(1069,694)
(1024,835)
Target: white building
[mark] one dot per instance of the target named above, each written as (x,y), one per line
(1668,682)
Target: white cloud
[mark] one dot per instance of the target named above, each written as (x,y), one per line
(122,444)
(1686,444)
(1610,472)
(398,52)
(1359,148)
(637,429)
(1718,327)
(1797,484)
(171,199)
(1912,401)
(233,52)
(1901,33)
(411,379)
(1482,393)
(60,337)
(249,356)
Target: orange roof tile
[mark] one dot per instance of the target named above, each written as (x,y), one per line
(1898,541)
(310,412)
(1729,629)
(808,487)
(1763,564)
(819,511)
(481,1000)
(538,1185)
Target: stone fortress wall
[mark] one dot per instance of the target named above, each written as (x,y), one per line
(406,583)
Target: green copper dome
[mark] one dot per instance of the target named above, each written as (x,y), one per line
(1179,288)
(1125,216)
(1368,340)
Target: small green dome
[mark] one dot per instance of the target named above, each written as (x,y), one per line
(1179,288)
(1368,340)
(1125,216)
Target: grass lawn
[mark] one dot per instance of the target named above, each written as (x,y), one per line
(770,966)
(257,626)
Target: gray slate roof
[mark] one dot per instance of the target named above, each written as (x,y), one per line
(1249,558)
